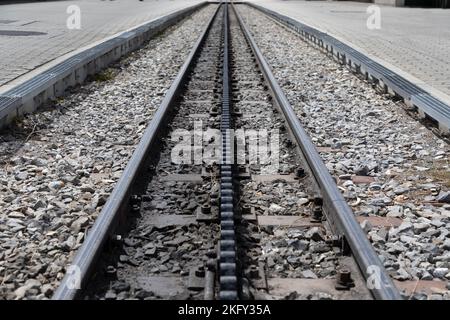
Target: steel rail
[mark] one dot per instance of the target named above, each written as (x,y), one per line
(78,272)
(337,209)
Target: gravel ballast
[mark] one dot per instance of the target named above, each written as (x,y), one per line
(158,253)
(59,165)
(286,252)
(359,132)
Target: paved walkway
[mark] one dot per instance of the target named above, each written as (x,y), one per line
(20,54)
(415,40)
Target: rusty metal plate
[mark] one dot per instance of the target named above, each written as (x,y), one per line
(426,286)
(362,179)
(282,287)
(274,177)
(381,221)
(167,220)
(200,115)
(163,285)
(207,102)
(194,178)
(327,149)
(296,221)
(286,221)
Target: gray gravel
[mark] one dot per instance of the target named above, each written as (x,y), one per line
(362,132)
(286,252)
(59,165)
(168,251)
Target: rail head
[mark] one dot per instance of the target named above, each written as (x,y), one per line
(337,208)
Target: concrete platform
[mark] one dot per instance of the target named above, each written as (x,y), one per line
(413,42)
(32,34)
(36,87)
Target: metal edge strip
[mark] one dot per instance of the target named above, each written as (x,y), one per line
(398,84)
(42,84)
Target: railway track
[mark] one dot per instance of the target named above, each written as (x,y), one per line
(254,216)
